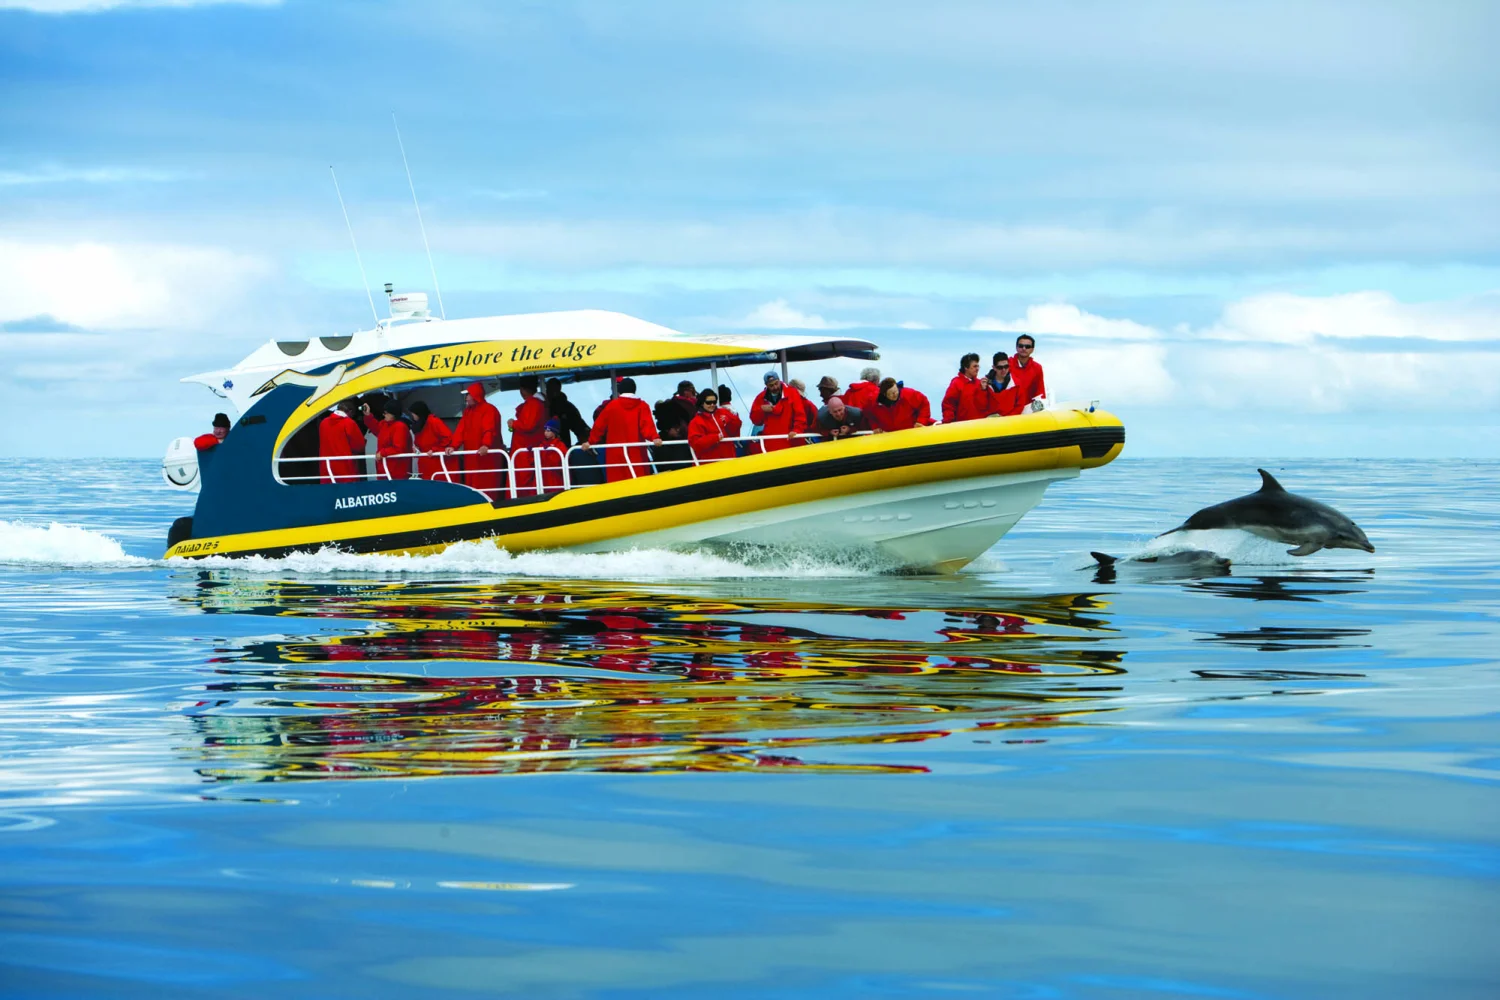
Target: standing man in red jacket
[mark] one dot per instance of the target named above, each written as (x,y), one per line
(1026,373)
(526,433)
(478,430)
(778,410)
(626,419)
(862,394)
(432,436)
(203,442)
(967,397)
(339,435)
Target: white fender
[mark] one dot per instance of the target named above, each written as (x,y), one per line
(180,466)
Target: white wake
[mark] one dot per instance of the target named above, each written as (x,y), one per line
(61,545)
(1242,548)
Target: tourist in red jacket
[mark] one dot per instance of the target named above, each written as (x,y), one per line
(431,438)
(809,408)
(733,424)
(552,456)
(626,419)
(968,397)
(1026,372)
(339,435)
(777,411)
(478,431)
(862,394)
(392,438)
(203,442)
(898,408)
(526,433)
(1004,400)
(709,428)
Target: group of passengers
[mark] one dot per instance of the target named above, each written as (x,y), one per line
(686,428)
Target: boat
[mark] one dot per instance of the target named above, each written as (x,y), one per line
(928,499)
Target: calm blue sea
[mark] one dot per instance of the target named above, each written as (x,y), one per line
(694,775)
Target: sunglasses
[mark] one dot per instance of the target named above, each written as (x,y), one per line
(710,399)
(1025,347)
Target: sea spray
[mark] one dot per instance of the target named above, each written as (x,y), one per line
(61,545)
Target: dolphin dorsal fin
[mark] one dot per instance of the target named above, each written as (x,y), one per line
(1268,482)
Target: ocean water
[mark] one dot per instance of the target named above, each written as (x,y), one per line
(758,775)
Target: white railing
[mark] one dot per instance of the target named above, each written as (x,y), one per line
(529,460)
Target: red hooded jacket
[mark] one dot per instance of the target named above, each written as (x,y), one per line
(706,435)
(339,435)
(1028,382)
(788,416)
(910,409)
(861,395)
(431,440)
(393,437)
(966,399)
(625,419)
(531,417)
(479,427)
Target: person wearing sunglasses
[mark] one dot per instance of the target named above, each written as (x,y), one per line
(1026,372)
(1003,395)
(708,429)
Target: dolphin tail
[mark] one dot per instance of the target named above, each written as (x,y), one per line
(1268,483)
(1105,561)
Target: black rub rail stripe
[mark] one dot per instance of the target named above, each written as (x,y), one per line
(1093,442)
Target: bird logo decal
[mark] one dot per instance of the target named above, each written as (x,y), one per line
(330,380)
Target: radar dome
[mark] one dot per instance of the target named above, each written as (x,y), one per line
(408,304)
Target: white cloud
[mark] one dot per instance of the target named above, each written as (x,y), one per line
(95,6)
(84,175)
(98,285)
(1066,320)
(914,325)
(1282,318)
(779,315)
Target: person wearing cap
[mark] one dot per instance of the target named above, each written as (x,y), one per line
(526,433)
(340,437)
(478,431)
(828,387)
(778,412)
(709,428)
(431,437)
(686,400)
(203,442)
(862,394)
(898,408)
(624,420)
(551,456)
(392,439)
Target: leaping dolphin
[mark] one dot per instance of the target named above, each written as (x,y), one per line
(1271,512)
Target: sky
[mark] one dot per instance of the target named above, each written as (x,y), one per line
(1248,229)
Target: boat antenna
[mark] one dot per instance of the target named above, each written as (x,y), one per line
(362,278)
(420,225)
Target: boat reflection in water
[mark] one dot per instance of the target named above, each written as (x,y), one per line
(414,679)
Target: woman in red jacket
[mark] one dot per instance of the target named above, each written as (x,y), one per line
(432,439)
(898,408)
(967,397)
(340,435)
(392,438)
(478,431)
(709,428)
(626,419)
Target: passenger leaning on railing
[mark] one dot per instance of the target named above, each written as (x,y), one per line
(339,435)
(837,420)
(478,431)
(898,408)
(624,420)
(710,427)
(392,438)
(203,442)
(431,437)
(552,456)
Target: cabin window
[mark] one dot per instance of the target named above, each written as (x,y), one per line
(292,347)
(336,343)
